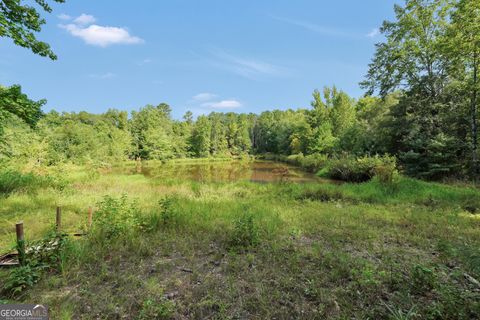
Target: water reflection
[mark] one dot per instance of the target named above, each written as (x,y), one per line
(255,171)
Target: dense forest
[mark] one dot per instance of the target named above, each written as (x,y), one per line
(425,73)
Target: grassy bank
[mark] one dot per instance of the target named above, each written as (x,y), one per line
(179,249)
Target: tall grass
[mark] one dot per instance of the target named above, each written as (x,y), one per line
(13,181)
(172,247)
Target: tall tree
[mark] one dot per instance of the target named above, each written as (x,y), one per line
(411,54)
(412,59)
(463,49)
(14,102)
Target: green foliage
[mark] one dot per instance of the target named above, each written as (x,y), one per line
(116,217)
(386,171)
(311,163)
(423,279)
(399,314)
(245,233)
(324,195)
(156,310)
(168,211)
(38,256)
(20,279)
(13,181)
(362,169)
(19,21)
(15,103)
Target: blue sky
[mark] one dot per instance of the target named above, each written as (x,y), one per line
(203,56)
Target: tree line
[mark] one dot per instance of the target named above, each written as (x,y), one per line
(421,105)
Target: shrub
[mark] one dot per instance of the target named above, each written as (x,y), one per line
(386,170)
(423,279)
(169,213)
(245,233)
(350,169)
(40,255)
(314,162)
(362,169)
(13,181)
(21,278)
(116,216)
(311,163)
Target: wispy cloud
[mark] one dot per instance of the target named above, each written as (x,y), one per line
(64,17)
(206,101)
(327,31)
(223,104)
(375,32)
(204,96)
(103,76)
(102,36)
(144,62)
(84,19)
(246,67)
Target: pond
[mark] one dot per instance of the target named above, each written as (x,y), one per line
(226,171)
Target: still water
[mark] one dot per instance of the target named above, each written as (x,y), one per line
(228,171)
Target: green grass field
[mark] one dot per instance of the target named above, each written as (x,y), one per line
(163,248)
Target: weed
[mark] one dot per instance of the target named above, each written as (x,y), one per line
(399,314)
(423,279)
(20,279)
(324,195)
(168,211)
(116,216)
(245,233)
(156,310)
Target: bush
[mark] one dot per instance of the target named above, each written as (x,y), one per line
(21,278)
(116,216)
(362,169)
(41,255)
(311,163)
(245,233)
(13,181)
(314,162)
(423,279)
(169,214)
(386,171)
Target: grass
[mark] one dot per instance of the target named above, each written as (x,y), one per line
(234,250)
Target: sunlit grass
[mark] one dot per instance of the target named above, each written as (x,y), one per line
(318,244)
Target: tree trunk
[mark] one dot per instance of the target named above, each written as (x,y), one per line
(474,118)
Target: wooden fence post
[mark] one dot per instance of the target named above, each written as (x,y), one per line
(20,243)
(90,217)
(59,219)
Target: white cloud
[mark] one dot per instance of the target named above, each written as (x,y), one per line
(375,32)
(327,31)
(64,16)
(103,76)
(248,68)
(101,36)
(144,62)
(223,104)
(204,96)
(84,19)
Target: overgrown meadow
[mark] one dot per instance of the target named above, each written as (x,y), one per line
(162,248)
(386,226)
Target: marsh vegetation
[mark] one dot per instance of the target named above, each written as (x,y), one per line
(169,242)
(351,208)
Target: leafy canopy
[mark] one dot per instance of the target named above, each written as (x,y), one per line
(14,102)
(20,21)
